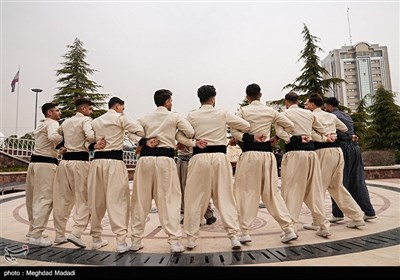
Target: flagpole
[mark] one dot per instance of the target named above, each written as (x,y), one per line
(16,116)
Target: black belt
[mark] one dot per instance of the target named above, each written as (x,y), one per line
(157,152)
(36,158)
(257,146)
(300,147)
(82,156)
(210,149)
(324,145)
(116,154)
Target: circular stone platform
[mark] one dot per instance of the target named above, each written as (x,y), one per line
(213,247)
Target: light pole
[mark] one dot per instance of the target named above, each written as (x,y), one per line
(36,90)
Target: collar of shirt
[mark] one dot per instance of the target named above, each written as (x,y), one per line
(206,106)
(162,109)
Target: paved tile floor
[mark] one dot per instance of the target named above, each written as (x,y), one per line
(385,196)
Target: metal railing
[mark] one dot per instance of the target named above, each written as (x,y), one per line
(23,148)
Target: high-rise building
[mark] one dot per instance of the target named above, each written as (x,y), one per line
(363,66)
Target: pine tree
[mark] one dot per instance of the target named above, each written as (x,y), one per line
(311,79)
(75,82)
(244,103)
(385,121)
(360,122)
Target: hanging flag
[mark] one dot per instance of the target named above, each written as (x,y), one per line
(14,81)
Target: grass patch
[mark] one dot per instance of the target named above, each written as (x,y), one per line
(13,168)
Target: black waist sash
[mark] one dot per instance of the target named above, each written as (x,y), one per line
(82,156)
(37,158)
(210,149)
(157,152)
(115,154)
(324,145)
(300,146)
(257,146)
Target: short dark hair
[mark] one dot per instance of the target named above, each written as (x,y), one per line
(47,106)
(253,90)
(83,101)
(206,92)
(332,101)
(162,95)
(316,99)
(292,97)
(115,100)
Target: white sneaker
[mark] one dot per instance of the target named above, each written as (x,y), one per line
(98,244)
(323,233)
(44,235)
(336,219)
(288,237)
(311,226)
(356,224)
(190,244)
(122,248)
(177,247)
(284,233)
(40,242)
(60,240)
(366,218)
(136,247)
(245,239)
(76,241)
(236,244)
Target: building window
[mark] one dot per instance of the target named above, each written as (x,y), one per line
(377,54)
(346,55)
(364,76)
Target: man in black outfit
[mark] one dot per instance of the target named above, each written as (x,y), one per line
(353,175)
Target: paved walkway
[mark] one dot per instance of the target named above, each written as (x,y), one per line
(376,244)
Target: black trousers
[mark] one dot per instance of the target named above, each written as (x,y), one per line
(354,180)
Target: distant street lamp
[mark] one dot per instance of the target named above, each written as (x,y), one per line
(36,90)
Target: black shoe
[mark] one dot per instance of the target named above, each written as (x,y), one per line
(211,220)
(182,222)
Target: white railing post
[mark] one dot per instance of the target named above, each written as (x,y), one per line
(17,147)
(24,148)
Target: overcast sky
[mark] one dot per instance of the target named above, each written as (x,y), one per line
(139,47)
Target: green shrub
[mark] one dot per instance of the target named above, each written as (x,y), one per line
(13,168)
(397,156)
(379,158)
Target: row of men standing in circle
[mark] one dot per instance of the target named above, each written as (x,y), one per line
(102,184)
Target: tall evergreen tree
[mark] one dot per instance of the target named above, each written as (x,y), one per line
(385,121)
(360,122)
(312,79)
(244,103)
(75,83)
